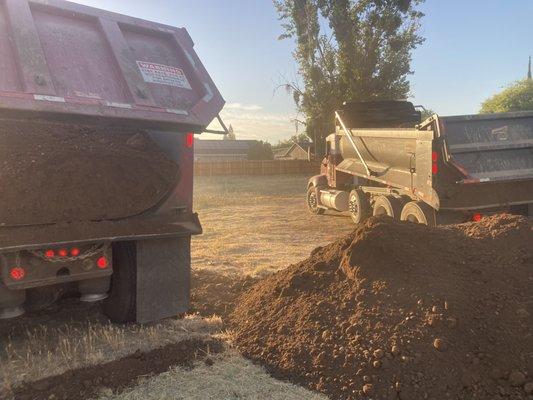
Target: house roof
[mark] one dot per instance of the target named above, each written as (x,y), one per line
(222,146)
(304,146)
(281,152)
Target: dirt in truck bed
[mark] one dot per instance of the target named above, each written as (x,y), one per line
(52,172)
(401,311)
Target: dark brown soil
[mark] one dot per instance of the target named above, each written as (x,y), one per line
(214,293)
(401,311)
(85,383)
(62,172)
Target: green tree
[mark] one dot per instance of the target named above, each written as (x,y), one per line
(426,113)
(365,54)
(516,97)
(299,138)
(260,151)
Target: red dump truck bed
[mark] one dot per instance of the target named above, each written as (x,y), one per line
(69,61)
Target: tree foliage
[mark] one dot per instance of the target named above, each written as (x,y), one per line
(260,151)
(426,113)
(516,97)
(299,138)
(364,54)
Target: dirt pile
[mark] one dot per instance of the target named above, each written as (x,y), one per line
(63,172)
(402,311)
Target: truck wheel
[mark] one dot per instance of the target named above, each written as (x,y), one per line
(360,209)
(120,306)
(389,206)
(312,201)
(419,213)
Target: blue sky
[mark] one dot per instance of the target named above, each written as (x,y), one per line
(473,49)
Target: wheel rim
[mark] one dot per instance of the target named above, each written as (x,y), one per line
(312,201)
(354,207)
(412,218)
(381,211)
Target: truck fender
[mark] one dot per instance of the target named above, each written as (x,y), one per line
(318,181)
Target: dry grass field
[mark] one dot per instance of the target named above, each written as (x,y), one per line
(252,227)
(258,225)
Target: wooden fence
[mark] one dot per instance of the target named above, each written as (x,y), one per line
(245,167)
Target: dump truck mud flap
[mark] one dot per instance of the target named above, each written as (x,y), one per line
(163,278)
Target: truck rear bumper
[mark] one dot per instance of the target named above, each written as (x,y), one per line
(153,227)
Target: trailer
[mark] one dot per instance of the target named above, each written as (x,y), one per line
(98,113)
(383,160)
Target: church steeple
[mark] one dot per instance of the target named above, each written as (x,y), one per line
(529,70)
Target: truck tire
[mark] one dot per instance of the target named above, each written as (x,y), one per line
(360,208)
(312,201)
(389,206)
(419,213)
(120,306)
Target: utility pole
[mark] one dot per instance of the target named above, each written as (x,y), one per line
(529,70)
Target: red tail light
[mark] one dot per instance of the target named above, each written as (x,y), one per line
(102,262)
(49,253)
(62,253)
(435,159)
(189,140)
(74,252)
(17,273)
(477,217)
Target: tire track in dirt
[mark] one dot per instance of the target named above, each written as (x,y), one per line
(85,383)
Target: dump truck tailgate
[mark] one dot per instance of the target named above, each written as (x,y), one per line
(490,148)
(64,60)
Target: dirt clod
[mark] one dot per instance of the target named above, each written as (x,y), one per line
(517,378)
(368,389)
(381,284)
(440,344)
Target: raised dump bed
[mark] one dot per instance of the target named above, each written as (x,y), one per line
(382,160)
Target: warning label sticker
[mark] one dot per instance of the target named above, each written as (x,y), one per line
(163,75)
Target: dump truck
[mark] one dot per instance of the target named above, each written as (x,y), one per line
(383,160)
(98,113)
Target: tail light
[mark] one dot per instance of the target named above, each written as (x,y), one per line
(62,252)
(189,140)
(435,160)
(74,252)
(102,262)
(50,253)
(17,273)
(477,217)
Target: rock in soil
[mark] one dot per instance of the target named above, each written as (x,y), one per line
(367,299)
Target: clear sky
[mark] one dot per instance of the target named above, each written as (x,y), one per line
(473,49)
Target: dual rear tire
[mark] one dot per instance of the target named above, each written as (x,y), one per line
(418,213)
(393,207)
